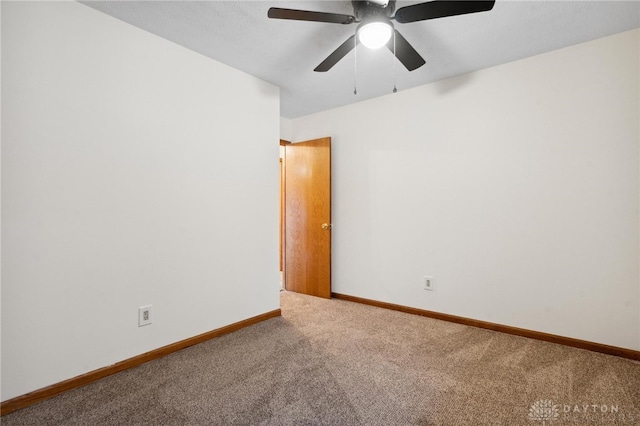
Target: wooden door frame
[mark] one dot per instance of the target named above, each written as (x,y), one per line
(282,200)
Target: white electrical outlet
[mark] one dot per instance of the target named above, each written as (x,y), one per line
(429,283)
(144,315)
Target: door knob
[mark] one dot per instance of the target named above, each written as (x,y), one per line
(326,226)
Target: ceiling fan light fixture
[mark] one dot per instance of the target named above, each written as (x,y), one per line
(375,34)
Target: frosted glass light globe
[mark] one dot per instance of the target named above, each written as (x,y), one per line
(375,34)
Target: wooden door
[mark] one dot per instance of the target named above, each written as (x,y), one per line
(307,217)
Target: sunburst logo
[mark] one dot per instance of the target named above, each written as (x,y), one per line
(544,411)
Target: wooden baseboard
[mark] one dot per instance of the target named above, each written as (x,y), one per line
(567,341)
(50,391)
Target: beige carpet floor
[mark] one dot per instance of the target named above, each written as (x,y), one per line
(332,362)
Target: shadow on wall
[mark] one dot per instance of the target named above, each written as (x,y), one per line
(450,85)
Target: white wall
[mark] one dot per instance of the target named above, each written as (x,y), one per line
(516,187)
(134,172)
(285,128)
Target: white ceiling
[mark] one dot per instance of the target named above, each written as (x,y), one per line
(238,33)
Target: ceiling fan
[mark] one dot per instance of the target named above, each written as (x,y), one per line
(375,28)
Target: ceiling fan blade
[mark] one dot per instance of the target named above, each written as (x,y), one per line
(307,15)
(440,9)
(337,54)
(405,52)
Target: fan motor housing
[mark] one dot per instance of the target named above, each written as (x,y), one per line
(365,10)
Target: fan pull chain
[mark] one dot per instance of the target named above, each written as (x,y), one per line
(395,59)
(355,64)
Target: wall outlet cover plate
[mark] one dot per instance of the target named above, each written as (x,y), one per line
(429,283)
(144,315)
